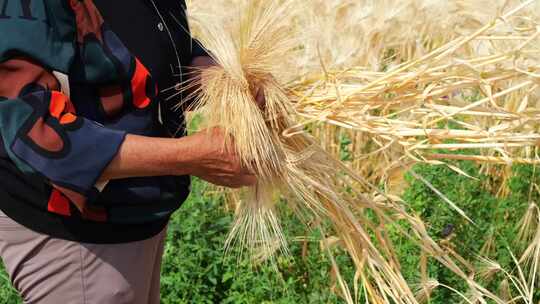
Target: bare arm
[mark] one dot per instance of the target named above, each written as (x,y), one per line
(201,154)
(148,156)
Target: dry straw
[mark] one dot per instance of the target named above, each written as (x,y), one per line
(399,94)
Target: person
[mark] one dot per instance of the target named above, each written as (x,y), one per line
(93,155)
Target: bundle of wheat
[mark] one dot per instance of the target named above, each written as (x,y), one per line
(383,69)
(401,95)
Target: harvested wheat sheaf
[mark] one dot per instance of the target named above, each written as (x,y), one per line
(402,78)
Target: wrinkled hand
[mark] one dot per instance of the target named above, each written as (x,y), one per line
(217,162)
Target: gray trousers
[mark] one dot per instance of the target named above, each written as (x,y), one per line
(46,270)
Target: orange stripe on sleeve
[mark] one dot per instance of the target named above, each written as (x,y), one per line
(138,86)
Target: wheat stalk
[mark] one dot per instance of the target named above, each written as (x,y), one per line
(403,112)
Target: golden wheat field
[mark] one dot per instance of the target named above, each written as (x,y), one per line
(409,82)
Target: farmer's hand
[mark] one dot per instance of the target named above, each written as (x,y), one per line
(217,162)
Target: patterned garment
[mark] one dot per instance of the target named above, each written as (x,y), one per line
(69,92)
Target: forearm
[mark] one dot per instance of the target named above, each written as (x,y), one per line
(148,156)
(207,154)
